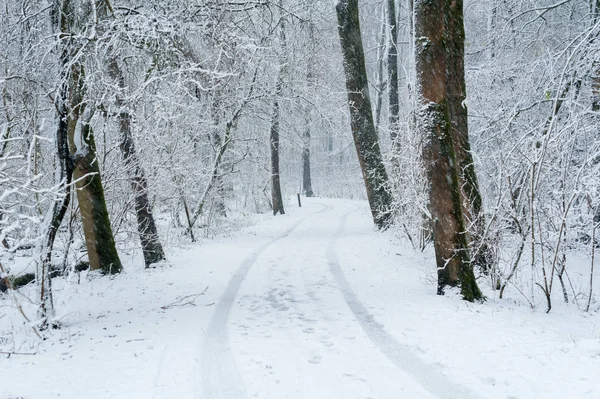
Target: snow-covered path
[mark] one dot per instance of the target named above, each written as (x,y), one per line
(299,331)
(313,304)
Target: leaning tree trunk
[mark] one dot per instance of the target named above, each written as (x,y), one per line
(363,128)
(482,255)
(99,239)
(150,240)
(433,42)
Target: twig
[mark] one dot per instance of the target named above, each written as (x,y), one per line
(18,353)
(189,301)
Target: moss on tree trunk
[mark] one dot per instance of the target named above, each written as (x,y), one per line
(361,115)
(99,239)
(437,119)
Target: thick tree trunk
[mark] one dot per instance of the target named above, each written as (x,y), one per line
(363,128)
(150,240)
(99,239)
(446,200)
(482,255)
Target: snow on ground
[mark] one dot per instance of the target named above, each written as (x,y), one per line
(313,304)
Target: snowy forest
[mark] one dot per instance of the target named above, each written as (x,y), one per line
(299,198)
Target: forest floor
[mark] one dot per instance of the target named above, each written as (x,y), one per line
(314,304)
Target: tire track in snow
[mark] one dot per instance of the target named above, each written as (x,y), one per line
(220,377)
(401,355)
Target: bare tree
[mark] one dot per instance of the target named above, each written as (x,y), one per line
(150,241)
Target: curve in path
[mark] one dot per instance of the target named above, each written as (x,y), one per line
(400,355)
(220,375)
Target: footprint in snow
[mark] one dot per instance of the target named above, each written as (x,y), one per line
(316,359)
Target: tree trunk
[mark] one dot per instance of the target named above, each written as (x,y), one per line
(361,121)
(482,255)
(434,41)
(393,96)
(219,198)
(99,239)
(276,197)
(306,177)
(379,80)
(64,167)
(150,241)
(58,210)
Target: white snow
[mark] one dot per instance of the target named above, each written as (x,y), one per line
(313,304)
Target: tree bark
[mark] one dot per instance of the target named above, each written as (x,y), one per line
(482,255)
(393,95)
(64,167)
(151,247)
(437,120)
(306,175)
(361,121)
(276,196)
(380,82)
(58,210)
(306,178)
(99,239)
(219,198)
